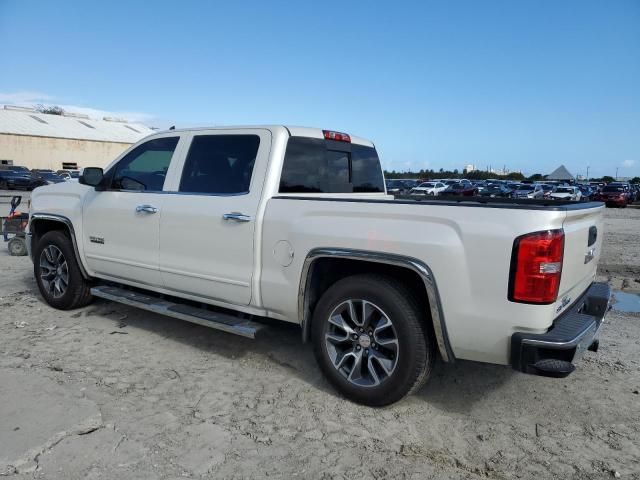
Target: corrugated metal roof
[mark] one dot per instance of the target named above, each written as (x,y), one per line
(58,126)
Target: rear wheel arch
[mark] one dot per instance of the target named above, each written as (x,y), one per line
(326,266)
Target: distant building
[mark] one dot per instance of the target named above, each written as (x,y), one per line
(560,173)
(69,141)
(469,168)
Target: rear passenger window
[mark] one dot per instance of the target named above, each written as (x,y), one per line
(145,167)
(220,164)
(313,165)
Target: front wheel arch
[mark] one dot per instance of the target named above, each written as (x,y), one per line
(42,223)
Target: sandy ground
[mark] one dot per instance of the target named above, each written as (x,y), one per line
(113,392)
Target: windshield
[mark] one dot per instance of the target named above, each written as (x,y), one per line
(457,186)
(564,190)
(546,188)
(394,184)
(427,185)
(611,188)
(525,187)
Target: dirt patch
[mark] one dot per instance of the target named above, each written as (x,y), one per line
(181,401)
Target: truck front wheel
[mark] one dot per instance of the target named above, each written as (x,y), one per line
(57,272)
(371,340)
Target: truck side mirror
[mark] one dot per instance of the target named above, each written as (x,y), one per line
(91,176)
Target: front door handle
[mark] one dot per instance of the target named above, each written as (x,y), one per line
(146,209)
(238,217)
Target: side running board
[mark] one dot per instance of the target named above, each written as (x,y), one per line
(207,318)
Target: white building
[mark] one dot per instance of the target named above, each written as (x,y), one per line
(69,141)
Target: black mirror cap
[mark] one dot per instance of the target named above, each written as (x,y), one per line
(91,176)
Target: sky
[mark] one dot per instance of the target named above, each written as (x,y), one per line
(528,84)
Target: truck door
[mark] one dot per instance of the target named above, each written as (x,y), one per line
(208,224)
(121,224)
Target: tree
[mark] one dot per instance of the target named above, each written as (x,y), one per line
(536,177)
(515,176)
(608,179)
(50,109)
(635,180)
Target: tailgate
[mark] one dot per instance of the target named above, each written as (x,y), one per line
(582,248)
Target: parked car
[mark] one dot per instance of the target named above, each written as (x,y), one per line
(428,188)
(14,168)
(49,177)
(547,189)
(587,192)
(495,190)
(396,187)
(635,188)
(614,196)
(12,180)
(461,190)
(566,193)
(69,174)
(525,190)
(374,283)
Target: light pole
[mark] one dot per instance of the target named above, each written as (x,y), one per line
(617,173)
(587,173)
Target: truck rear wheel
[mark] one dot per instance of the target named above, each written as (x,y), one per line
(57,272)
(371,339)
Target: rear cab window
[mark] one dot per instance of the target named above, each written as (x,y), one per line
(314,165)
(220,164)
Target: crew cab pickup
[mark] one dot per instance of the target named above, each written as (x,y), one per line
(228,226)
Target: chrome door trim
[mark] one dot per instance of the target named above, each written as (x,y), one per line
(64,220)
(237,216)
(422,269)
(146,208)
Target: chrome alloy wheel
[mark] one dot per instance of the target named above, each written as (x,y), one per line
(362,343)
(54,271)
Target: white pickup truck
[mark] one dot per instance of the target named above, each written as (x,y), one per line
(228,226)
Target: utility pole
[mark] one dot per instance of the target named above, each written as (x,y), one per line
(617,173)
(587,173)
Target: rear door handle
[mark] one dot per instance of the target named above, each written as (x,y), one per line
(146,209)
(238,217)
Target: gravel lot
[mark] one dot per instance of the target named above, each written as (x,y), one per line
(113,392)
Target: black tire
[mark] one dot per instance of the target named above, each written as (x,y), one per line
(17,247)
(416,349)
(78,290)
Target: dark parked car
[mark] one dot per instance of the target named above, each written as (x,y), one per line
(395,187)
(461,189)
(14,168)
(494,190)
(614,196)
(11,180)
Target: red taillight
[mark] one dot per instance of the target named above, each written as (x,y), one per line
(536,267)
(337,136)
